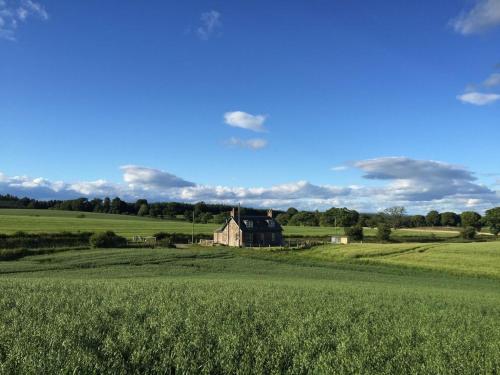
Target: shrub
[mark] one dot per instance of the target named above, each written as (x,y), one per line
(44,240)
(355,232)
(384,232)
(468,233)
(495,229)
(107,239)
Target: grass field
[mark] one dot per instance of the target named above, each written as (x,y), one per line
(372,309)
(46,221)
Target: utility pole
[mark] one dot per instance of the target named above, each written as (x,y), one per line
(192,232)
(239,225)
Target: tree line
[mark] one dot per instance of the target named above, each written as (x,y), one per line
(203,212)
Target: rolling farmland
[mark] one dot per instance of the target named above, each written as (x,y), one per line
(47,221)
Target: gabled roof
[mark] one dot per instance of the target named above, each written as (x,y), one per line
(260,224)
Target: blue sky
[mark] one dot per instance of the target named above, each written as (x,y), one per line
(252,96)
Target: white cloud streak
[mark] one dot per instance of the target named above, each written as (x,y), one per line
(13,13)
(478,98)
(485,15)
(253,144)
(492,81)
(210,24)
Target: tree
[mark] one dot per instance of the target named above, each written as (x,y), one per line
(495,229)
(308,219)
(220,218)
(138,205)
(417,221)
(355,232)
(383,232)
(450,219)
(283,218)
(188,215)
(433,219)
(492,219)
(106,205)
(395,216)
(471,219)
(292,211)
(341,217)
(143,210)
(468,233)
(155,210)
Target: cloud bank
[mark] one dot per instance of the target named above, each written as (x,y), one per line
(420,185)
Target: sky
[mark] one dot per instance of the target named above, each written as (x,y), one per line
(310,104)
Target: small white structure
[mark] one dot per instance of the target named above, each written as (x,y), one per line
(340,240)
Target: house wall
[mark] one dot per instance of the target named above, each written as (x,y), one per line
(230,237)
(262,239)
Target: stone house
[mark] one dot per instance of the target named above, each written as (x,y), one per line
(250,231)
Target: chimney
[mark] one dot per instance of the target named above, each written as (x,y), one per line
(233,213)
(270,213)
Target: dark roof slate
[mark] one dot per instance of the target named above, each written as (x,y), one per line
(260,224)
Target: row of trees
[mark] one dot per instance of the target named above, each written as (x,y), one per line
(203,212)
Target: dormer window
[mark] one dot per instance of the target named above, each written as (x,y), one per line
(248,223)
(271,223)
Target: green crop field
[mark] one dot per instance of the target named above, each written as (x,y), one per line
(46,221)
(355,309)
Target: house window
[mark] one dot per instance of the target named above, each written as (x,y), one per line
(271,223)
(273,237)
(248,223)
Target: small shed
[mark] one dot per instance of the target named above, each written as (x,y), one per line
(340,240)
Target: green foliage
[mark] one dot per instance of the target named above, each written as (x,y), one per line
(107,239)
(384,232)
(395,216)
(471,219)
(495,229)
(283,218)
(355,233)
(44,240)
(492,218)
(450,219)
(468,233)
(143,210)
(418,221)
(342,217)
(433,218)
(304,219)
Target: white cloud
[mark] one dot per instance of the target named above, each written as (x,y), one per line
(151,178)
(14,12)
(254,144)
(484,16)
(420,185)
(210,23)
(478,98)
(239,119)
(339,168)
(492,80)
